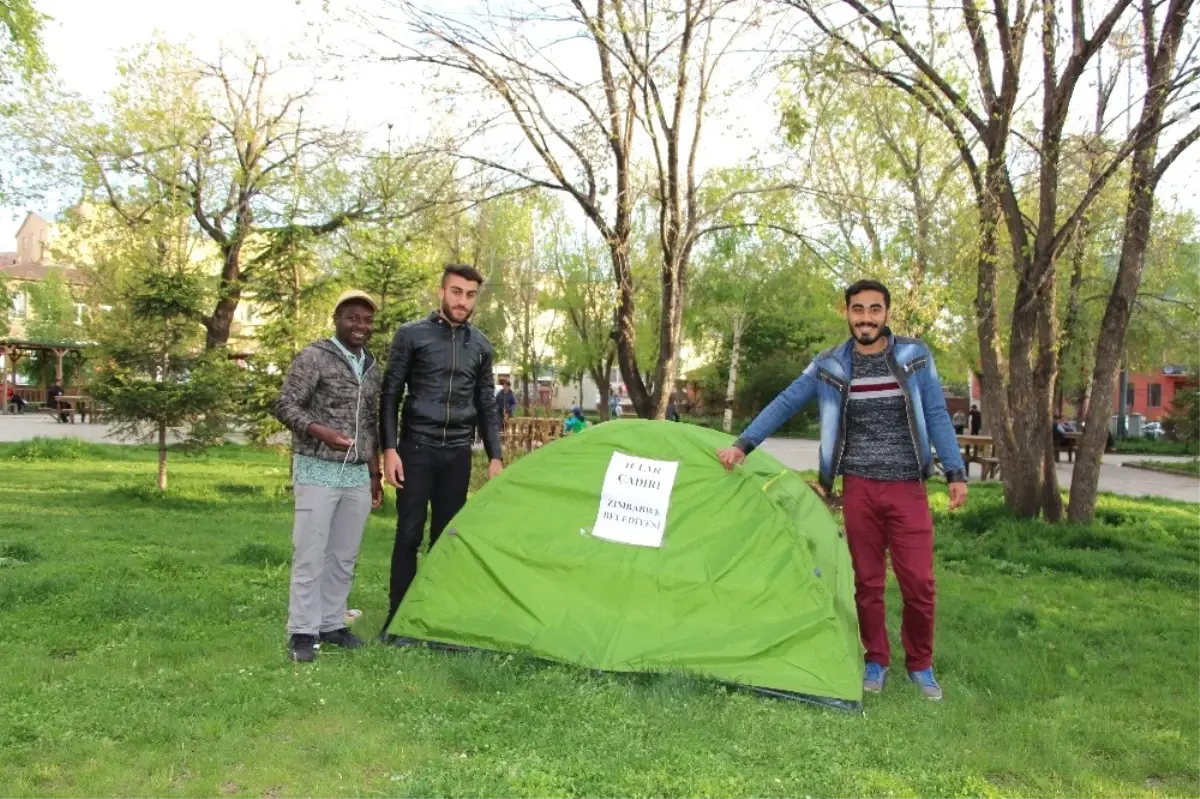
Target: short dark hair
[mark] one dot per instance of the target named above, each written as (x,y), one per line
(464,271)
(869,285)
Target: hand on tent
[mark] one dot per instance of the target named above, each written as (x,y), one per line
(495,466)
(393,469)
(958,495)
(730,457)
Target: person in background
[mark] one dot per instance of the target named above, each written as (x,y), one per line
(13,398)
(506,401)
(882,414)
(441,366)
(960,422)
(672,411)
(52,396)
(330,402)
(574,421)
(976,420)
(1059,430)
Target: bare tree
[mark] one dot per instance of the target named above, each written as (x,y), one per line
(220,136)
(1017,391)
(1164,77)
(647,85)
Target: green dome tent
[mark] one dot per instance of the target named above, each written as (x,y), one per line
(627,547)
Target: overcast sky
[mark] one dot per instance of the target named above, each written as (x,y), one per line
(86,38)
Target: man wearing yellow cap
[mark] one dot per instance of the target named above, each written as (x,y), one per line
(330,402)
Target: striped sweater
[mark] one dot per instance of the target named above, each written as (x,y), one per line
(879,444)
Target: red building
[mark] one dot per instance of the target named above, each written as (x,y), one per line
(1150,393)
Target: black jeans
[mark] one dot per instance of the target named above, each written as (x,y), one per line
(437,476)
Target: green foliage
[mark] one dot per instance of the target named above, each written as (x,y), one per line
(185,391)
(153,376)
(292,299)
(1182,424)
(777,344)
(890,181)
(145,654)
(583,295)
(43,448)
(53,315)
(23,53)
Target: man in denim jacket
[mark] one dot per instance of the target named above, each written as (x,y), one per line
(881,408)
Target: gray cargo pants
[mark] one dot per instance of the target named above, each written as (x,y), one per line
(325,539)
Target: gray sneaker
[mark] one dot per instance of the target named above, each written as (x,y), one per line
(874,676)
(929,686)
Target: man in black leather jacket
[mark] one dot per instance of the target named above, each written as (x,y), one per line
(446,365)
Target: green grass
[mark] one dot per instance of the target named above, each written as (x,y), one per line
(1149,446)
(1191,467)
(800,427)
(143,654)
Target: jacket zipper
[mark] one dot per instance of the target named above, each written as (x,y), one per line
(450,387)
(841,442)
(839,446)
(902,379)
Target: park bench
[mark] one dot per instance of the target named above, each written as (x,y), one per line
(989,468)
(1067,445)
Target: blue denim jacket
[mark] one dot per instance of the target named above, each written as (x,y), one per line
(827,379)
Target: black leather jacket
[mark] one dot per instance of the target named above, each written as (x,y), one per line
(448,373)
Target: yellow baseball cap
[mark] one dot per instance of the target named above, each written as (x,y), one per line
(355,294)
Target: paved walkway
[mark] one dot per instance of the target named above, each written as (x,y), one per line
(794,452)
(1114,477)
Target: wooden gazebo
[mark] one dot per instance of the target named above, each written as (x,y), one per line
(13,350)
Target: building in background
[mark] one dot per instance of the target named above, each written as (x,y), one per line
(30,265)
(1149,394)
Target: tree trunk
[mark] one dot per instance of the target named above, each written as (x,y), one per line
(669,333)
(1072,329)
(624,330)
(1047,378)
(219,325)
(1144,175)
(987,311)
(162,456)
(735,354)
(1085,481)
(604,389)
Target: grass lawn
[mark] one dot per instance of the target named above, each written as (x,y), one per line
(1191,467)
(143,654)
(1149,446)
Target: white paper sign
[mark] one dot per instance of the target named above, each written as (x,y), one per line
(635,499)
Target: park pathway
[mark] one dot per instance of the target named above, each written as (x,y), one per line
(1114,476)
(794,452)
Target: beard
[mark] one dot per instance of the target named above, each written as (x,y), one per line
(460,315)
(866,335)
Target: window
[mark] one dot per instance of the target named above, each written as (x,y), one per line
(19,303)
(1129,395)
(1155,396)
(80,309)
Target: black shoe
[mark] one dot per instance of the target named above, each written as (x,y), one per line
(302,648)
(343,638)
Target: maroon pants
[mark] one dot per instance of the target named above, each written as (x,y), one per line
(882,516)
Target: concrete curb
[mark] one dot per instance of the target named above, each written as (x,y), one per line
(1160,470)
